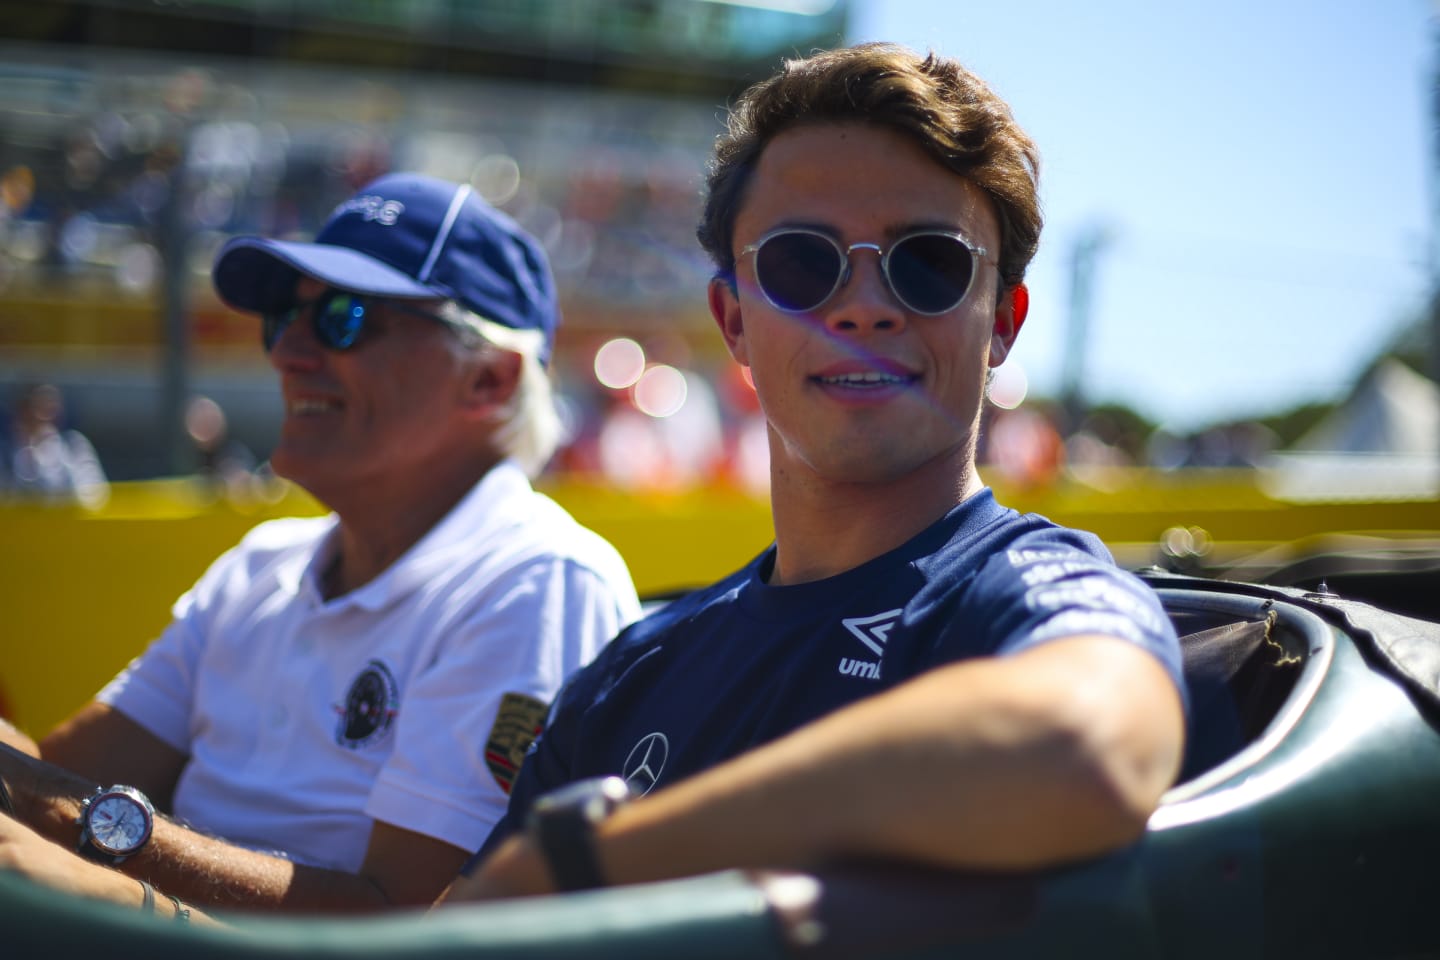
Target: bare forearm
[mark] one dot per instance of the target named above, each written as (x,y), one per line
(45,797)
(193,866)
(115,887)
(106,746)
(1007,763)
(15,738)
(206,870)
(998,764)
(25,852)
(909,776)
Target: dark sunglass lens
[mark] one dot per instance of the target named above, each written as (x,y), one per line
(273,324)
(797,271)
(930,272)
(339,319)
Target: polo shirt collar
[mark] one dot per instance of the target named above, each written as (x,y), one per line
(496,496)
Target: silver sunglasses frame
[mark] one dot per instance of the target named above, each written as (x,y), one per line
(977,257)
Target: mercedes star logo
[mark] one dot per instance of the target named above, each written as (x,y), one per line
(646,760)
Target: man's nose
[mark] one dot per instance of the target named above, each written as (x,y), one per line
(864,303)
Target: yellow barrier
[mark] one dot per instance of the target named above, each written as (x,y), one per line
(83,592)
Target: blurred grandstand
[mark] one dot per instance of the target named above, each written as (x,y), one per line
(135,135)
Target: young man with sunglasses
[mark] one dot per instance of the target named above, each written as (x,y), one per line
(912,671)
(346,699)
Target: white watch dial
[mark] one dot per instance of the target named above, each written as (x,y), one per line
(118,823)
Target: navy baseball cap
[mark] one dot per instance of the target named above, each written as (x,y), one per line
(404,236)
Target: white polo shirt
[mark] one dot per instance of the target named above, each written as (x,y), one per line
(410,700)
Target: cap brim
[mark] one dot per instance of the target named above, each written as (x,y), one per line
(255,274)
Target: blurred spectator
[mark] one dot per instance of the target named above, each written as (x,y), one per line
(223,462)
(631,449)
(45,460)
(691,431)
(664,433)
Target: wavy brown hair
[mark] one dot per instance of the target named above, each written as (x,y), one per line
(946,109)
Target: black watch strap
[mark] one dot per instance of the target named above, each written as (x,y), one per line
(563,825)
(569,853)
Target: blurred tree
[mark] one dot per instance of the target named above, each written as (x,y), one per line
(1126,428)
(1290,425)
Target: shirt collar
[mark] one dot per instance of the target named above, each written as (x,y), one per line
(494,497)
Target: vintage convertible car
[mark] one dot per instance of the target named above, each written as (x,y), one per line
(1306,823)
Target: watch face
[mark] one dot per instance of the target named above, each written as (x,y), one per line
(118,823)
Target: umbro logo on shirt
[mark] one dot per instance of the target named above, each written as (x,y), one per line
(873,631)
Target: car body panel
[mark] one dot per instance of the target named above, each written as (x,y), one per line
(1314,834)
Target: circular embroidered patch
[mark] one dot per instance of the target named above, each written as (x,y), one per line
(370,707)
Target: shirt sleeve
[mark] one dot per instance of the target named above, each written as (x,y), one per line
(470,715)
(1049,586)
(545,769)
(157,688)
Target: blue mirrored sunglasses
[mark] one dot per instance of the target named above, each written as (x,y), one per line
(338,318)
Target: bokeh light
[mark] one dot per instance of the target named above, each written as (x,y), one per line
(660,391)
(137,269)
(497,177)
(619,363)
(17,188)
(1009,386)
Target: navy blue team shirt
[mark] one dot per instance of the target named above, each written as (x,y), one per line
(740,663)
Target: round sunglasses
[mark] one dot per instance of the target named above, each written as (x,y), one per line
(338,318)
(928,271)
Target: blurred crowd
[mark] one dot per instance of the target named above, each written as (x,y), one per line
(636,424)
(131,179)
(164,167)
(1029,446)
(45,458)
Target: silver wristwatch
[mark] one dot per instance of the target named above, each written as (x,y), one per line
(115,824)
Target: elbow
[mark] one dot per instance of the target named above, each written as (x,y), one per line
(1124,737)
(1116,807)
(1117,779)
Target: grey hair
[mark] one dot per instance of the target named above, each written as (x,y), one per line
(528,428)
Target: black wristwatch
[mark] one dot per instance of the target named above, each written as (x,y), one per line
(563,823)
(115,824)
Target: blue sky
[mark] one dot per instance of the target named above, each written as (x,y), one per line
(1264,168)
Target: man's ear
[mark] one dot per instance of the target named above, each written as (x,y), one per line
(725,308)
(491,381)
(1011,308)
